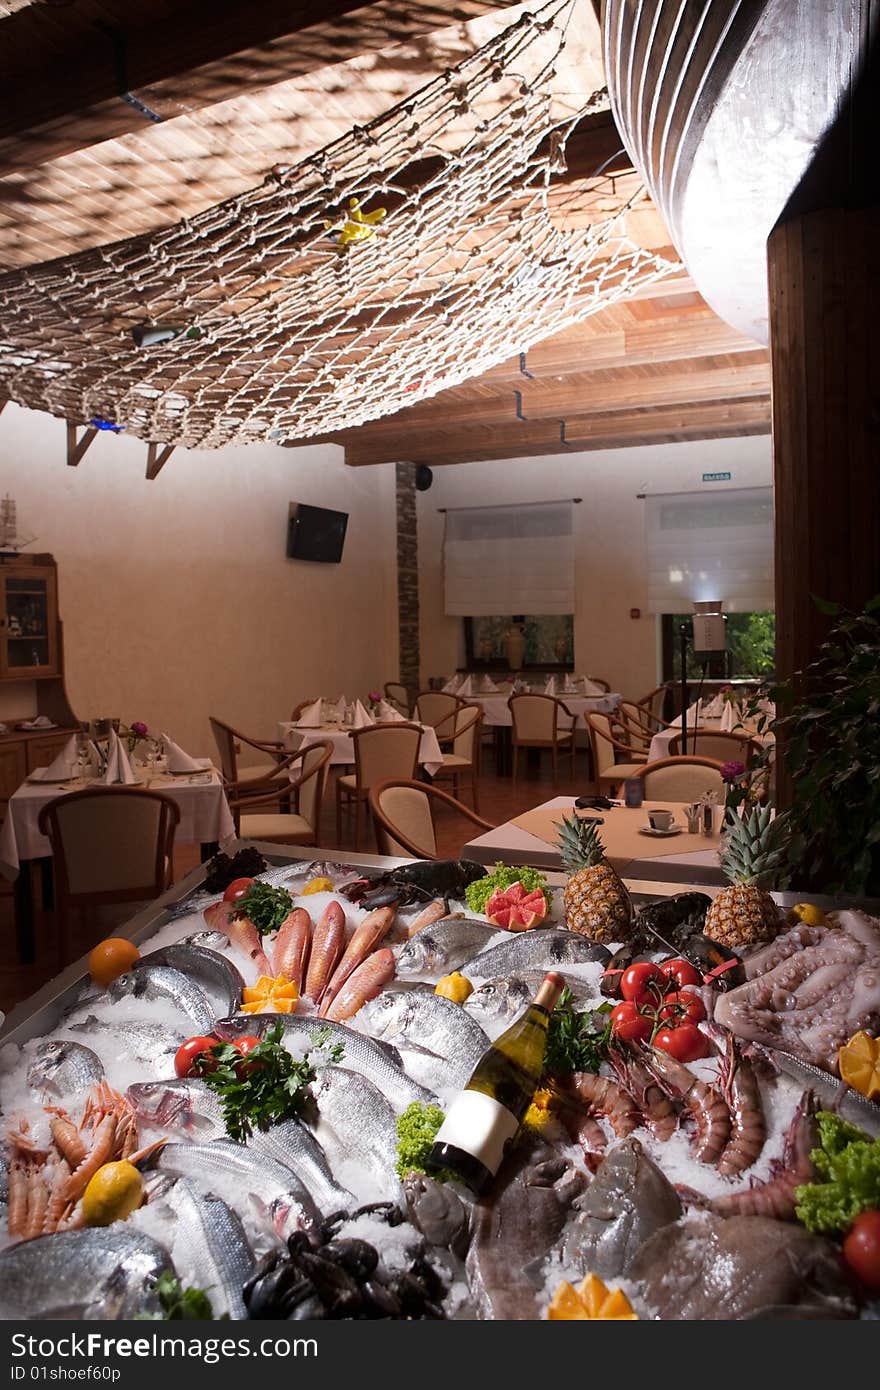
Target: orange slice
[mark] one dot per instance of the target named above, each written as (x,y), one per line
(859,1063)
(270,996)
(591,1300)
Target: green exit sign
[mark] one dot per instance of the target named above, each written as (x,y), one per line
(716,477)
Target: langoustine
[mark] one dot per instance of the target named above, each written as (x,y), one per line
(776,1197)
(658,1112)
(748,1128)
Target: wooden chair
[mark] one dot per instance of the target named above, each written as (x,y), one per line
(680,779)
(403,818)
(298,709)
(605,745)
(638,733)
(240,779)
(652,706)
(109,845)
(380,751)
(301,825)
(536,724)
(463,763)
(437,708)
(397,695)
(718,744)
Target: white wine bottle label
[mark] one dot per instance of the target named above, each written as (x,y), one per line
(479,1125)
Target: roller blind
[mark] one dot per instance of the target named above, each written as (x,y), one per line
(710,546)
(517,559)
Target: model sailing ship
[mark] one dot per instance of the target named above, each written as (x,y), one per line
(10,542)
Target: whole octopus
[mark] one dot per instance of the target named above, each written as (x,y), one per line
(810,989)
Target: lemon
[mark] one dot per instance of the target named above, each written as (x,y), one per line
(859,1063)
(456,987)
(317,885)
(808,913)
(113,1193)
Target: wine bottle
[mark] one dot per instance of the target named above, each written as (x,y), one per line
(486,1115)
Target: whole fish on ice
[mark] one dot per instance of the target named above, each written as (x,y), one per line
(62,1070)
(545,948)
(356,1125)
(431,1022)
(507,995)
(274,1189)
(213,973)
(146,981)
(103,1273)
(444,946)
(213,1239)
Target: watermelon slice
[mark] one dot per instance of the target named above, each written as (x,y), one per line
(515,908)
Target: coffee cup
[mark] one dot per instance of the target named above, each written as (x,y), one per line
(661,820)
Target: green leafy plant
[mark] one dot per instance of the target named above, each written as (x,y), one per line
(416,1131)
(264,1086)
(265,906)
(576,1041)
(179,1304)
(828,726)
(847,1165)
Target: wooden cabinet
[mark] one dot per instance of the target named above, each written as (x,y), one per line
(29,647)
(41,751)
(13,770)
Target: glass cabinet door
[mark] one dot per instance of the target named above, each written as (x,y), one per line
(28,622)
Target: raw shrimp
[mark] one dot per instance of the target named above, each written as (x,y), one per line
(748,1129)
(601,1097)
(657,1109)
(776,1197)
(706,1105)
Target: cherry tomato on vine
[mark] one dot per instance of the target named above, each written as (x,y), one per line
(189,1051)
(861,1249)
(245,1046)
(628,1024)
(237,889)
(685,1043)
(684,1007)
(637,981)
(680,973)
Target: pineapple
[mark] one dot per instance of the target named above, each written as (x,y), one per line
(596,903)
(751,860)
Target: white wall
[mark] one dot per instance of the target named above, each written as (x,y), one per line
(176,595)
(610,563)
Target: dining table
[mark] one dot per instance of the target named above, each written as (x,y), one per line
(659,747)
(296,736)
(531,839)
(205,819)
(497,716)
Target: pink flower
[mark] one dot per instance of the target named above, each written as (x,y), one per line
(139,728)
(374,696)
(731,771)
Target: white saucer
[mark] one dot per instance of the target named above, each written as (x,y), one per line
(660,834)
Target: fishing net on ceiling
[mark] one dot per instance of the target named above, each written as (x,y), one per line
(295,312)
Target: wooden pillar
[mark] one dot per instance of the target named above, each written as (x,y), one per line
(408,575)
(824,280)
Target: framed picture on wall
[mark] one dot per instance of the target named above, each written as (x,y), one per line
(549,642)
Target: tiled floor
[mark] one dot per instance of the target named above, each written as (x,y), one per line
(498,802)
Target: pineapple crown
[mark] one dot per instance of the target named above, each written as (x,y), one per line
(755,849)
(579,843)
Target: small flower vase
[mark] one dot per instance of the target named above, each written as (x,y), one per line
(515,646)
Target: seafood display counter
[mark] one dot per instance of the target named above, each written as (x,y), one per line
(237,1118)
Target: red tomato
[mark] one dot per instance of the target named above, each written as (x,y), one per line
(628,1024)
(685,1043)
(685,1007)
(245,1046)
(861,1249)
(189,1051)
(636,983)
(680,973)
(237,889)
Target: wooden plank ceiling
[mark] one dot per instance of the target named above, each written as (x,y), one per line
(121,116)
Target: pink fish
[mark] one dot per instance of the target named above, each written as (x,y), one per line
(243,934)
(375,925)
(432,913)
(362,984)
(217,915)
(327,943)
(291,949)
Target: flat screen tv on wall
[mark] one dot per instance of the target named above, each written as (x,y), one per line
(315,533)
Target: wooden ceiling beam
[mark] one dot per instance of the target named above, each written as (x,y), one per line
(580,394)
(611,430)
(70,81)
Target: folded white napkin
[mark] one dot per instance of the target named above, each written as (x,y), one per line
(730,717)
(388,714)
(118,768)
(452,685)
(714,709)
(312,716)
(466,687)
(361,718)
(550,687)
(41,722)
(178,760)
(64,764)
(488,686)
(591,688)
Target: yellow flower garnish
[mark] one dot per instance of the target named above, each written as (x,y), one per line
(270,996)
(357,226)
(540,1112)
(591,1300)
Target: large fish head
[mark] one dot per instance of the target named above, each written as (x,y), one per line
(241,1025)
(167,1105)
(500,998)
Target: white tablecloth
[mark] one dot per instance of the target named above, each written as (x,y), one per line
(496,711)
(294,737)
(204,814)
(660,742)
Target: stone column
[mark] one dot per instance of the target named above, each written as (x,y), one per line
(408,576)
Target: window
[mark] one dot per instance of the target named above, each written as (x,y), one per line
(751,644)
(509,559)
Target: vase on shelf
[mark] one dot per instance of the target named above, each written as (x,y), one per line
(560,650)
(515,646)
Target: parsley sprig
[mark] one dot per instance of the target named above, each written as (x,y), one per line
(179,1304)
(576,1041)
(264,1087)
(265,906)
